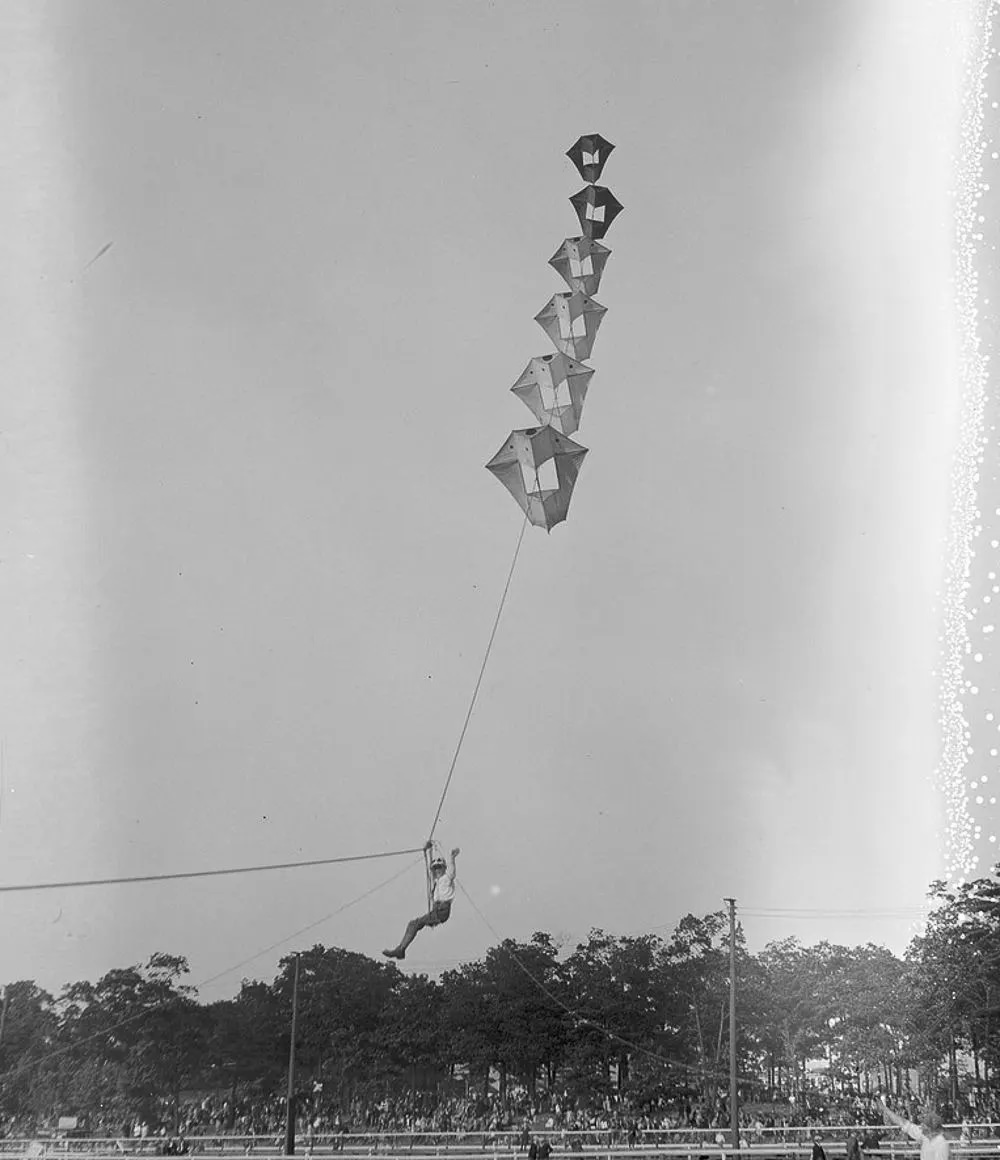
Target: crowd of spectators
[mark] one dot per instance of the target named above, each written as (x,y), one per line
(561,1122)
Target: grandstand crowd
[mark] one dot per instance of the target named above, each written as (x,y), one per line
(564,1124)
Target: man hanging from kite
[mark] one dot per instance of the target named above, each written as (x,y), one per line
(441,892)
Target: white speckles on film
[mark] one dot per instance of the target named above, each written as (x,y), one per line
(966,601)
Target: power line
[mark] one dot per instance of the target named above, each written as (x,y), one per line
(795,915)
(479,681)
(836,909)
(202,873)
(776,912)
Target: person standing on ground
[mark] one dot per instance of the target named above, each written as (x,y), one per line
(933,1142)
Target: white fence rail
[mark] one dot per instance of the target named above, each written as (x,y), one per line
(699,1144)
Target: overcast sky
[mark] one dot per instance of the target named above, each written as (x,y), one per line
(250,555)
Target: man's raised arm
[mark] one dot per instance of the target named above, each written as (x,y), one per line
(911,1130)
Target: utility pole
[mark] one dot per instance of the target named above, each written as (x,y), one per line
(734,1101)
(290,1101)
(4,1000)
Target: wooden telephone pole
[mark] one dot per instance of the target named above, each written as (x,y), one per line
(290,1101)
(734,1100)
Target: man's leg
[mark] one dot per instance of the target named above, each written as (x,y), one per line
(412,927)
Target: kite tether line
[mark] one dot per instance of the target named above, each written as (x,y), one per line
(475,693)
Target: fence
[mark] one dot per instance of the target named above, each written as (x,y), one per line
(980,1140)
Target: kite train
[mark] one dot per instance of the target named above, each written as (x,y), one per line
(539,465)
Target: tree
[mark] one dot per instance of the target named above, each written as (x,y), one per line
(868,1030)
(410,1037)
(248,1040)
(29,1067)
(471,1019)
(616,990)
(342,997)
(800,1011)
(696,976)
(525,981)
(135,1034)
(955,968)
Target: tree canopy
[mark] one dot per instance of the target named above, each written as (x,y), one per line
(642,1014)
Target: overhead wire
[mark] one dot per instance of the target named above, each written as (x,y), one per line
(790,915)
(479,680)
(24,1066)
(131,878)
(786,913)
(832,909)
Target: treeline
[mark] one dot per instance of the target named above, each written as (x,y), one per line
(644,1015)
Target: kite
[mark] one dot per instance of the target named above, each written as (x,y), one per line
(589,155)
(538,466)
(553,388)
(597,208)
(580,263)
(571,322)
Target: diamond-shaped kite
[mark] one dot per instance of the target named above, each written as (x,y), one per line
(596,207)
(538,466)
(580,263)
(571,322)
(553,388)
(589,155)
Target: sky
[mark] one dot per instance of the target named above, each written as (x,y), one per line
(272,272)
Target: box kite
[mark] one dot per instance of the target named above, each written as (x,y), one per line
(538,466)
(553,388)
(597,208)
(580,263)
(571,322)
(589,155)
